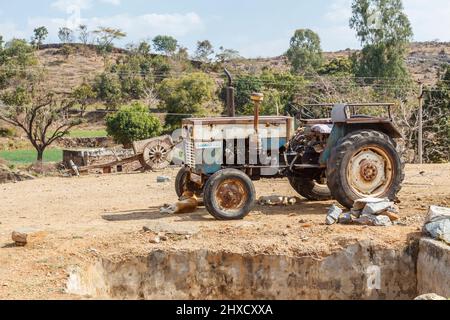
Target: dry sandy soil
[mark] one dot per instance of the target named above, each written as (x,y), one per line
(93,216)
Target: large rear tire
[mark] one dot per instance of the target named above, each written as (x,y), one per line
(310,188)
(364,164)
(229,195)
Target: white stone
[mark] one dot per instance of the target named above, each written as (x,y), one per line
(361,203)
(438,223)
(377,207)
(333,215)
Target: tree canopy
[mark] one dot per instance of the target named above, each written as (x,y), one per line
(165,44)
(305,52)
(384,31)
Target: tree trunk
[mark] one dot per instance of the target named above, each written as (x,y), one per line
(40,155)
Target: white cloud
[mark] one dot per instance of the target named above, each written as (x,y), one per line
(70,5)
(137,27)
(113,2)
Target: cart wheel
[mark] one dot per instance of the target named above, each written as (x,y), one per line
(229,195)
(157,155)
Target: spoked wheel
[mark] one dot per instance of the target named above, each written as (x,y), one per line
(157,155)
(364,164)
(229,195)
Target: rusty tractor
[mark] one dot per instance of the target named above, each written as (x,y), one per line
(345,156)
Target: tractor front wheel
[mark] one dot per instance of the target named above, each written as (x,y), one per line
(364,164)
(229,195)
(183,184)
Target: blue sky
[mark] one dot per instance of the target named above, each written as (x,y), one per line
(254,27)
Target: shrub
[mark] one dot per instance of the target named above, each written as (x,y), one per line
(132,123)
(192,94)
(7,132)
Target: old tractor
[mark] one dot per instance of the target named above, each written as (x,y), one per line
(345,157)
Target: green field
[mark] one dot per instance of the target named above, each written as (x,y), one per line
(29,156)
(87,133)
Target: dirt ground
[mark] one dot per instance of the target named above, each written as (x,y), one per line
(103,216)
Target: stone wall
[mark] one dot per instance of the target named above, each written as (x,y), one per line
(433,268)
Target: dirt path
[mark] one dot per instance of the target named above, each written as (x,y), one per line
(104,215)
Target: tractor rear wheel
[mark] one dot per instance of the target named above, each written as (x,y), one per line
(311,186)
(229,195)
(364,164)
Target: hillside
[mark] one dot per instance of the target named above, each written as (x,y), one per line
(68,71)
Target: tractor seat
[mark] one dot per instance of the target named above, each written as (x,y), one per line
(322,128)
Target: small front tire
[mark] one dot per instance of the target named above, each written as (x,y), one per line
(183,184)
(229,195)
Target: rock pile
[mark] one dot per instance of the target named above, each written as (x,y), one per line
(369,211)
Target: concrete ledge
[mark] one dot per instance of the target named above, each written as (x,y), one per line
(433,268)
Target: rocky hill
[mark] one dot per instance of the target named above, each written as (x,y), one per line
(67,70)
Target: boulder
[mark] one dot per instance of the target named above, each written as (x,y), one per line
(333,215)
(346,218)
(373,220)
(162,179)
(361,203)
(377,207)
(437,224)
(24,236)
(430,296)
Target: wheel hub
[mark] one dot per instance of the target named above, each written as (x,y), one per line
(231,195)
(370,172)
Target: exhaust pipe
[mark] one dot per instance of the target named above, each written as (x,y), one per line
(230,95)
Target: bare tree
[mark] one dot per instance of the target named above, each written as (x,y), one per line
(43,119)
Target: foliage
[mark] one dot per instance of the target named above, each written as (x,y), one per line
(192,94)
(305,53)
(384,31)
(436,117)
(15,58)
(279,91)
(37,113)
(165,44)
(65,35)
(7,132)
(83,95)
(40,34)
(83,34)
(108,89)
(132,123)
(226,55)
(105,38)
(339,66)
(204,51)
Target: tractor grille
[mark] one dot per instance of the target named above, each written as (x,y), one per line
(189,153)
